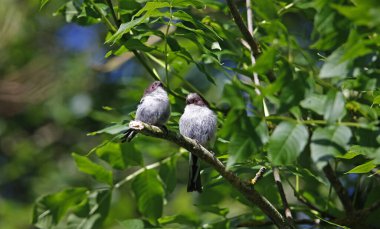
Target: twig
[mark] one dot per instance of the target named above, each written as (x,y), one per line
(151,166)
(303,200)
(192,146)
(259,174)
(277,179)
(268,223)
(255,47)
(253,59)
(117,21)
(166,45)
(322,122)
(339,189)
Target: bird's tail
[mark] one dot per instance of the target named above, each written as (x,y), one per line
(194,183)
(128,135)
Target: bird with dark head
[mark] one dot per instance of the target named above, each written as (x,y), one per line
(197,122)
(154,108)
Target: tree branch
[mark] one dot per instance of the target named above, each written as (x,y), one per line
(255,47)
(268,223)
(339,189)
(192,146)
(277,179)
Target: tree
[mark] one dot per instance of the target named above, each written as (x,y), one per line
(295,86)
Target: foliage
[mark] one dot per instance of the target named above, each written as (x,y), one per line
(319,75)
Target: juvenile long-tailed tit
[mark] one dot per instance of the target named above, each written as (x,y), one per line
(154,108)
(199,123)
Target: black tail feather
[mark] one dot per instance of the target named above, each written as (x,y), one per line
(194,182)
(128,135)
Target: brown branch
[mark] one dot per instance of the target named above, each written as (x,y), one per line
(268,223)
(277,179)
(339,189)
(252,195)
(259,174)
(255,47)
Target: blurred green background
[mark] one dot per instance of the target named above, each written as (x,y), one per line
(54,89)
(56,86)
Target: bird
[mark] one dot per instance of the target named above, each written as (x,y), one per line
(197,122)
(154,108)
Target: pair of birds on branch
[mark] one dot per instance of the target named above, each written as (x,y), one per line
(198,122)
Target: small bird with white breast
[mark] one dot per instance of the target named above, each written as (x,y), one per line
(154,108)
(198,122)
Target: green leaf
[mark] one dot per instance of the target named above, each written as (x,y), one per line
(125,28)
(168,174)
(315,103)
(85,165)
(149,194)
(173,44)
(119,156)
(111,153)
(287,142)
(305,173)
(265,9)
(240,148)
(376,100)
(329,141)
(247,135)
(356,46)
(334,66)
(265,62)
(70,11)
(150,6)
(361,14)
(43,3)
(149,9)
(132,223)
(50,209)
(186,3)
(100,202)
(134,44)
(114,129)
(232,96)
(214,209)
(178,219)
(208,32)
(131,155)
(348,155)
(91,212)
(334,106)
(363,168)
(356,150)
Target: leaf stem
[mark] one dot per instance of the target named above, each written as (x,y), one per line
(117,22)
(151,166)
(166,45)
(110,26)
(320,122)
